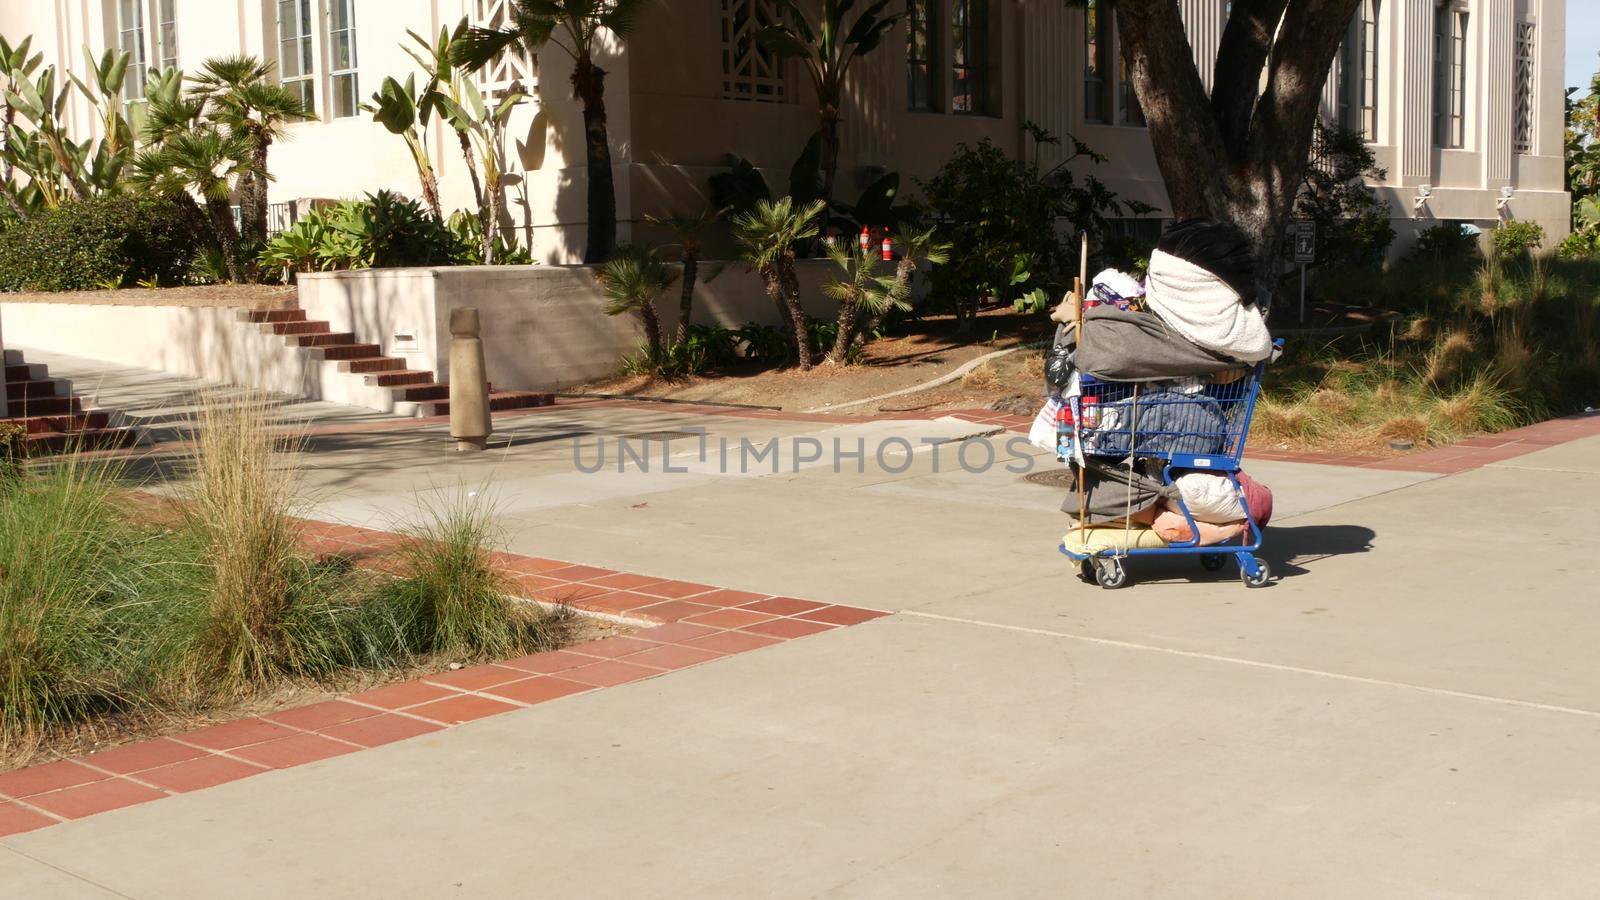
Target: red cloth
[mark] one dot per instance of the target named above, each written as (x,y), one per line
(1258,497)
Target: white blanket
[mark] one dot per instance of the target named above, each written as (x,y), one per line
(1200,306)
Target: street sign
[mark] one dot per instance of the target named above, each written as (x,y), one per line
(1305,241)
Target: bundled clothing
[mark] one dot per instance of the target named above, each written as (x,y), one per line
(1202,284)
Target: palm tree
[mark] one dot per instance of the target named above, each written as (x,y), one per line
(632,280)
(768,235)
(245,100)
(437,59)
(687,227)
(209,163)
(827,48)
(917,246)
(398,108)
(534,23)
(862,290)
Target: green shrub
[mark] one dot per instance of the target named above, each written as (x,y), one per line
(1579,245)
(1517,237)
(385,230)
(1353,227)
(1445,242)
(112,240)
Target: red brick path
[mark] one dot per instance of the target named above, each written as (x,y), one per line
(689,624)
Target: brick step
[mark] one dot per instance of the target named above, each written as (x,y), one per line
(12,357)
(419,393)
(272,315)
(26,372)
(372,364)
(42,387)
(295,328)
(400,378)
(499,401)
(27,407)
(345,351)
(52,442)
(65,423)
(326,339)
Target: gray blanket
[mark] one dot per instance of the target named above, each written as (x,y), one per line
(1120,345)
(1113,495)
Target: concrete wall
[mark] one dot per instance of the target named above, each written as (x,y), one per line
(204,343)
(544,327)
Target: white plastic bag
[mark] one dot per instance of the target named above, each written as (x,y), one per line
(1043,432)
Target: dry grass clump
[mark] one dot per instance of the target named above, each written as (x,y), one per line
(1032,364)
(1448,356)
(984,378)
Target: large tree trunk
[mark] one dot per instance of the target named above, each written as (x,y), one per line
(589,81)
(842,342)
(691,273)
(1240,154)
(790,281)
(253,195)
(227,236)
(829,127)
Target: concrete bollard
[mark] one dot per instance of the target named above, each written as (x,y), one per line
(469,382)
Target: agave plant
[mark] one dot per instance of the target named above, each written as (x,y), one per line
(768,235)
(632,280)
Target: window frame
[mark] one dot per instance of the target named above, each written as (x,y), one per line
(750,72)
(1097,51)
(166,34)
(1358,89)
(350,71)
(931,62)
(970,72)
(1451,27)
(134,83)
(304,82)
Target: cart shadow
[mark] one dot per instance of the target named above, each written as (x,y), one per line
(1290,549)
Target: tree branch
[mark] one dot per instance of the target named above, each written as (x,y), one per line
(1241,55)
(1182,128)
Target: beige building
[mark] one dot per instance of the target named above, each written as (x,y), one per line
(1462,99)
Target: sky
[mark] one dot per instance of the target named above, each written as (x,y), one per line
(1583,43)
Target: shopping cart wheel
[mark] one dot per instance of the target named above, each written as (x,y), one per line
(1110,573)
(1262,575)
(1212,562)
(1086,570)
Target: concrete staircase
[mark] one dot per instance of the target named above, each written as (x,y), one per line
(55,419)
(412,391)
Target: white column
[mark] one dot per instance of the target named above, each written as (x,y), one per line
(1495,46)
(1203,20)
(1414,132)
(1052,47)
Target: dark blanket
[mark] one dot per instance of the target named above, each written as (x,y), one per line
(1114,494)
(1160,422)
(1120,345)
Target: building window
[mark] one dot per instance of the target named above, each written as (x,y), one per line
(922,48)
(1097,21)
(514,70)
(167,34)
(346,88)
(1128,109)
(969,45)
(130,40)
(1358,92)
(1522,90)
(751,71)
(296,60)
(1450,75)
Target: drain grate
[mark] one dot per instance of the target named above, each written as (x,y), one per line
(1052,478)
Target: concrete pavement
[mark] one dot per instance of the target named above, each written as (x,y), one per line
(1412,710)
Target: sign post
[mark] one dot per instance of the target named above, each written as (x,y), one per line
(1304,233)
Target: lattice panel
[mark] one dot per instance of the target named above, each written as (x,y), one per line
(1522,90)
(749,70)
(513,70)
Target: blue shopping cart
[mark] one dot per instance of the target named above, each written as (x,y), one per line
(1201,428)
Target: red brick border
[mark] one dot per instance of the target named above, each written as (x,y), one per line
(689,624)
(1462,456)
